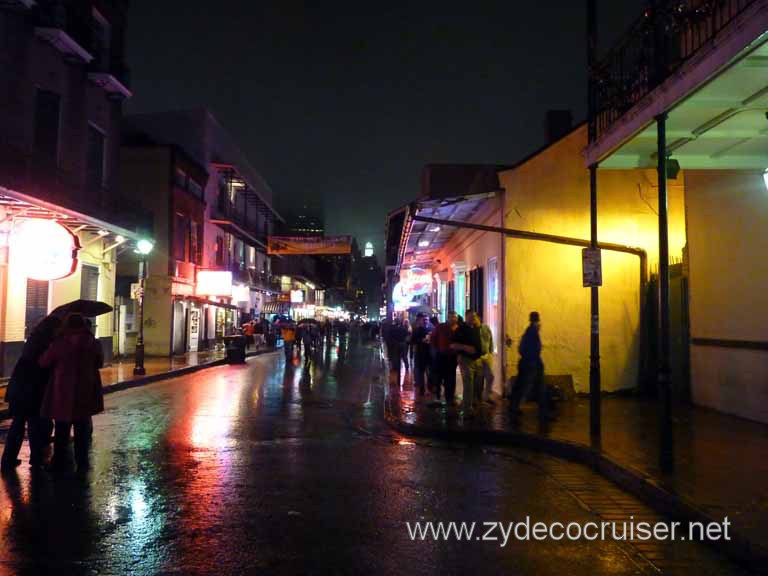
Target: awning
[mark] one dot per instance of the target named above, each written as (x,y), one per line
(420,241)
(24,206)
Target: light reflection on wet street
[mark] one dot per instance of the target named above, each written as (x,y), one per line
(267,469)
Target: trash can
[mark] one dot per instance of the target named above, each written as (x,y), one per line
(235,349)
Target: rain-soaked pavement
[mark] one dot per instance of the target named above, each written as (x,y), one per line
(262,469)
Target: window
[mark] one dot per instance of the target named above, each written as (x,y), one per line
(493,298)
(37,304)
(194,188)
(47,124)
(219,251)
(89,282)
(181,238)
(194,242)
(460,300)
(96,156)
(476,299)
(180,178)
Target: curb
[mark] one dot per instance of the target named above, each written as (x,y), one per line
(739,548)
(136,382)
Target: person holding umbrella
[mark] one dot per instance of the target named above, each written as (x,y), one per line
(25,395)
(74,392)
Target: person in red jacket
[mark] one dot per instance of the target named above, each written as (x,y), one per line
(446,357)
(74,392)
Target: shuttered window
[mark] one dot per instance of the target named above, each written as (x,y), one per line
(89,283)
(476,290)
(37,304)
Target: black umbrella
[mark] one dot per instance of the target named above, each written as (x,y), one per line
(307,321)
(88,308)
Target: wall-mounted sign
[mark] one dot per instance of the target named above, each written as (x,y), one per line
(241,293)
(311,245)
(194,328)
(591,267)
(214,283)
(297,296)
(413,283)
(44,249)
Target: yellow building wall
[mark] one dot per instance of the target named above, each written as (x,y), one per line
(158,315)
(549,193)
(728,241)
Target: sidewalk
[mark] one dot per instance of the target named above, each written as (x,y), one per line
(119,374)
(721,462)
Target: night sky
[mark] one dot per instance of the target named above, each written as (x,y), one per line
(341,107)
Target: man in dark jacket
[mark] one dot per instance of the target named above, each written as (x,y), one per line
(420,342)
(25,395)
(530,368)
(446,357)
(397,336)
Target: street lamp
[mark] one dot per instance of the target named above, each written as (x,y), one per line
(143,248)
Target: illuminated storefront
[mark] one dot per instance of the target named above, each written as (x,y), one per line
(49,256)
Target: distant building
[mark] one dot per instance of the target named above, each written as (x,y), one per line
(212,215)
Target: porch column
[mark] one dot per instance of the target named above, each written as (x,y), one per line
(666,438)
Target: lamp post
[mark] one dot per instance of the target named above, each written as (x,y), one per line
(143,249)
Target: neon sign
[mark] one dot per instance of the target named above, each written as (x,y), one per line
(413,282)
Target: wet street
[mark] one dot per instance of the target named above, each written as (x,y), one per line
(265,469)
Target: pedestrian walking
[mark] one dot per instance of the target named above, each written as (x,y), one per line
(484,386)
(24,395)
(420,344)
(396,346)
(306,336)
(406,345)
(468,345)
(288,334)
(74,392)
(446,358)
(530,368)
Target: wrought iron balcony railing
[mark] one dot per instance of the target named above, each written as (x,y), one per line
(665,37)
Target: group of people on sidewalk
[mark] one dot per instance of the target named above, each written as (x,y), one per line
(56,379)
(437,349)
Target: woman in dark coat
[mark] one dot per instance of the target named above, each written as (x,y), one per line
(74,392)
(24,395)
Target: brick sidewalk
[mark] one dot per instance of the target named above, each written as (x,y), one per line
(721,462)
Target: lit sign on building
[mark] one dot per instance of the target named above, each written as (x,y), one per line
(44,249)
(297,296)
(413,282)
(241,293)
(214,283)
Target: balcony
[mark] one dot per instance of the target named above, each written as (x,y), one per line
(26,4)
(113,79)
(61,27)
(656,47)
(238,221)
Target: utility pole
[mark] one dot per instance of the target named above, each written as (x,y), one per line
(594,341)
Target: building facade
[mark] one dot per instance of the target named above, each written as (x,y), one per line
(212,213)
(63,81)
